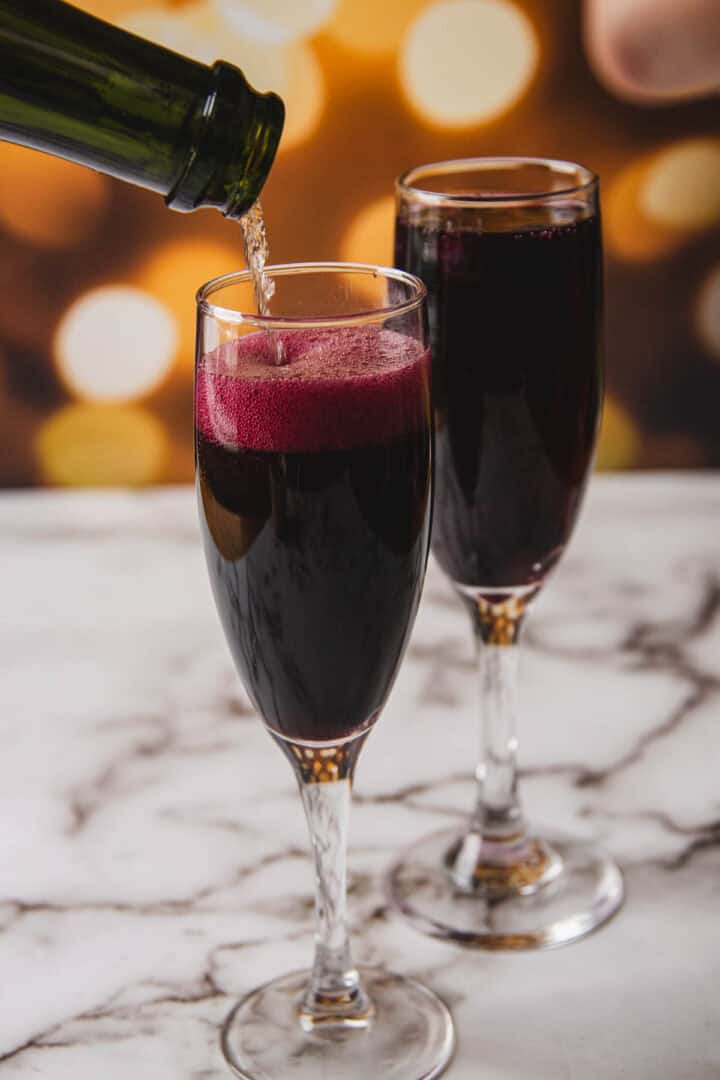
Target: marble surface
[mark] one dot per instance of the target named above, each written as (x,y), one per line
(153,854)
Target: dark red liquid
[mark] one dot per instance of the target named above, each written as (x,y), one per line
(314,491)
(517,380)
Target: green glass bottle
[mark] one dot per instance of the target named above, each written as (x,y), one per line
(75,86)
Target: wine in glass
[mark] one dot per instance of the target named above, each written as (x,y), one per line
(314,484)
(510,251)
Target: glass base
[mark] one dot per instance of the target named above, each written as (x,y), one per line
(579,889)
(410,1037)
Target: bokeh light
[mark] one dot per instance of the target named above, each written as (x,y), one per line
(620,439)
(369,237)
(115,343)
(89,444)
(660,200)
(374,27)
(46,201)
(682,185)
(466,61)
(276,22)
(627,231)
(175,271)
(708,313)
(371,87)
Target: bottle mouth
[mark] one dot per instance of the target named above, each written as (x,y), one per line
(236,128)
(268,131)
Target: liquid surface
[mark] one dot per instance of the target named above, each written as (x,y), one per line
(314,490)
(337,389)
(515,330)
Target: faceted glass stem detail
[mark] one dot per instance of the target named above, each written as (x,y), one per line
(496,855)
(334,995)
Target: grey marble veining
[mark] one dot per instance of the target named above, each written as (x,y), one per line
(153,853)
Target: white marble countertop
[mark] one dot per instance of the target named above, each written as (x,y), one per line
(153,854)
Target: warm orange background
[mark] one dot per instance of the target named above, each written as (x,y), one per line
(97,278)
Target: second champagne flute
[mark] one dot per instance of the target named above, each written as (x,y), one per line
(510,251)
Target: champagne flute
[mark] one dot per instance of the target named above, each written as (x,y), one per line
(314,489)
(510,250)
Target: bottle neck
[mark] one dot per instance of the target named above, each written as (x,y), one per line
(233,135)
(75,86)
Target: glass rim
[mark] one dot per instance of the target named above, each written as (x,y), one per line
(280,322)
(405,183)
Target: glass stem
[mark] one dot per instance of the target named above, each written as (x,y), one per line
(498,815)
(334,996)
(495,853)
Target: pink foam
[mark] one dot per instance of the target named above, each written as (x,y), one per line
(339,389)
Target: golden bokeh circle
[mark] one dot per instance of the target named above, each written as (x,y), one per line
(627,231)
(99,445)
(660,200)
(115,343)
(681,189)
(464,62)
